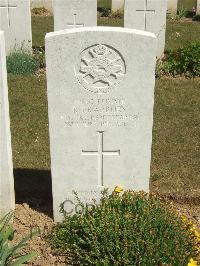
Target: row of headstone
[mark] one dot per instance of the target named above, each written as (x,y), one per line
(139,14)
(7,201)
(115,5)
(172,5)
(148,15)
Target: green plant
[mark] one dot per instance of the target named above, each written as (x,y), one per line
(183,61)
(11,255)
(196,17)
(181,13)
(128,229)
(104,12)
(21,63)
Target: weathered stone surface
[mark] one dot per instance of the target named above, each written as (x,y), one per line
(198,6)
(148,15)
(74,14)
(117,5)
(100,95)
(16,23)
(7,201)
(172,7)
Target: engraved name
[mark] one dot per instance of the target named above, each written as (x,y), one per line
(100,112)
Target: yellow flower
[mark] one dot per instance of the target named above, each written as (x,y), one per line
(197,234)
(192,263)
(184,218)
(118,189)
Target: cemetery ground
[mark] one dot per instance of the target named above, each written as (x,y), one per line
(175,168)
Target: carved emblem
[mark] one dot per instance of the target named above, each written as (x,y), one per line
(100,69)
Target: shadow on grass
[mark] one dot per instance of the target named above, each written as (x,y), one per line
(33,187)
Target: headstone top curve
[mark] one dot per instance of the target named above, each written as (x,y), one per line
(99,29)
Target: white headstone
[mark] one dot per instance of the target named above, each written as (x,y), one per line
(47,4)
(172,7)
(198,6)
(148,15)
(7,201)
(117,5)
(100,95)
(74,14)
(15,21)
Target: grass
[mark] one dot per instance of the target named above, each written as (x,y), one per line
(110,22)
(40,26)
(177,34)
(104,3)
(175,151)
(187,4)
(29,121)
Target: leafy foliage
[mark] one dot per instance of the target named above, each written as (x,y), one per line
(196,17)
(104,12)
(181,13)
(21,63)
(127,229)
(10,255)
(184,61)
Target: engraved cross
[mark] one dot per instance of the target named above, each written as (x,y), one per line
(7,6)
(75,24)
(145,10)
(101,153)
